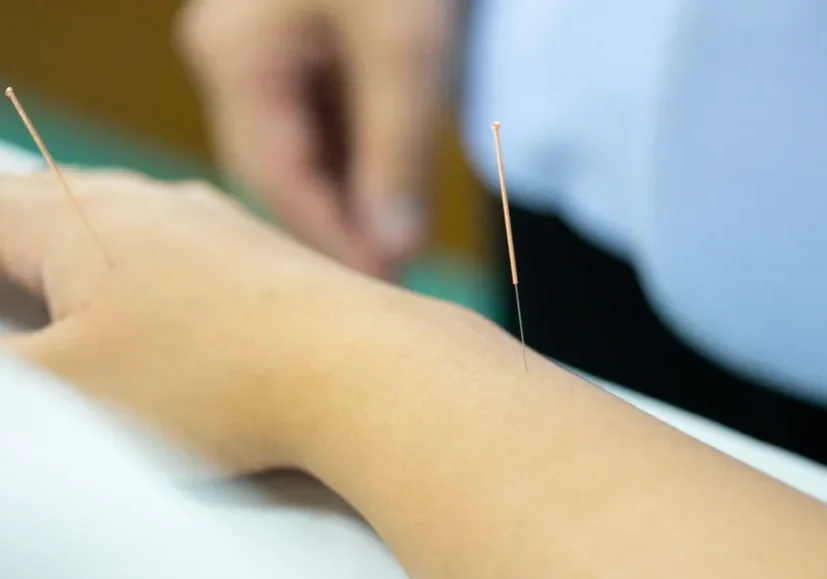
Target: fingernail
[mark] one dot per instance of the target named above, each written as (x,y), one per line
(399,223)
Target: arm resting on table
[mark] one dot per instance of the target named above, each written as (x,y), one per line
(469,467)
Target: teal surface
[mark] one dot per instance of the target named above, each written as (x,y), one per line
(77,140)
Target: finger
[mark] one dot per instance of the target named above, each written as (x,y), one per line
(30,222)
(399,83)
(281,160)
(39,347)
(25,347)
(54,348)
(48,244)
(252,59)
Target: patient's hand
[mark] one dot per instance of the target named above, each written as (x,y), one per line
(203,322)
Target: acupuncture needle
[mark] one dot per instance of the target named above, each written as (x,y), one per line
(509,237)
(54,168)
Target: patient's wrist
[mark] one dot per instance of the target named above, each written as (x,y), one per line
(311,369)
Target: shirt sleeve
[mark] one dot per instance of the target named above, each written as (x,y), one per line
(732,226)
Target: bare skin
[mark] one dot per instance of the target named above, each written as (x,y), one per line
(236,342)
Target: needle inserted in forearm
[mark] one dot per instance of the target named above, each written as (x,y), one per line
(509,237)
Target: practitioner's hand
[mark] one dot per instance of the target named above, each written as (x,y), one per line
(328,110)
(207,325)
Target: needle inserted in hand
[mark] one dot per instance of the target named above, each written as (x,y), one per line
(510,239)
(53,166)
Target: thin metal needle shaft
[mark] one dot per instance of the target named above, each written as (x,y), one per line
(520,320)
(53,166)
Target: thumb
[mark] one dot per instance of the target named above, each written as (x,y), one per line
(49,348)
(27,347)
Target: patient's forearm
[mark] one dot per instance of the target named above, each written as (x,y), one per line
(469,467)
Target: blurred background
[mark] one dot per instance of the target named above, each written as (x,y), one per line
(113,62)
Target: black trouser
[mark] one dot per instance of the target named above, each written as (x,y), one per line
(584,307)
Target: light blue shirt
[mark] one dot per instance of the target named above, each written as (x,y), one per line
(686,136)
